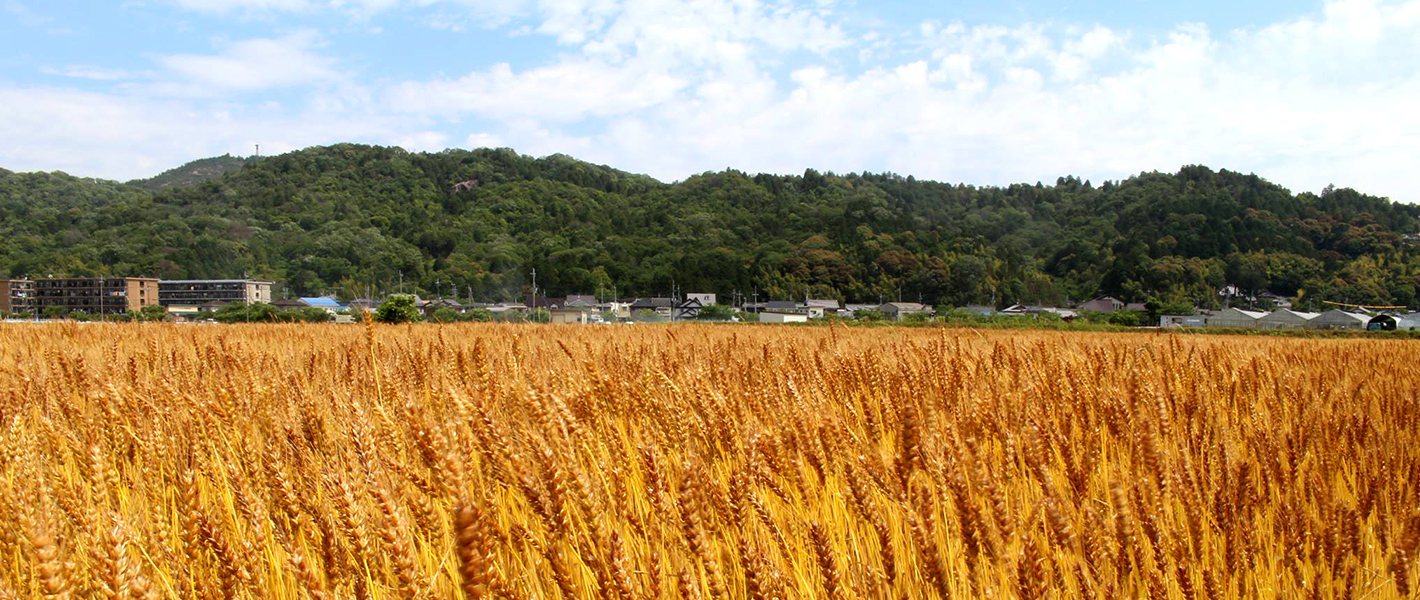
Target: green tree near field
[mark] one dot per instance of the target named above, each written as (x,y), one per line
(399,308)
(152,313)
(444,314)
(309,314)
(715,312)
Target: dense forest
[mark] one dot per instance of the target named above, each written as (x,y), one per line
(349,219)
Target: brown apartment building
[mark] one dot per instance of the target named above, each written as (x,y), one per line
(16,295)
(96,295)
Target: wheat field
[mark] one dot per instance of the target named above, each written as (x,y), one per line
(702,462)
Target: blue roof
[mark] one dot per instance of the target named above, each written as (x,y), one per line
(322,302)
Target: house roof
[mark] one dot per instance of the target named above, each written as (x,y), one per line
(781,304)
(322,302)
(653,302)
(580,300)
(821,303)
(1342,316)
(904,306)
(1283,314)
(1252,314)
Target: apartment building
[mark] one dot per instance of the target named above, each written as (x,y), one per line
(201,292)
(16,295)
(95,295)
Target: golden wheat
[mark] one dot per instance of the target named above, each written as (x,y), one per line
(702,462)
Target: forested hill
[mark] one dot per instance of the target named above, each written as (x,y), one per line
(192,173)
(349,218)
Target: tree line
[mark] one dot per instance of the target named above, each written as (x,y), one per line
(356,221)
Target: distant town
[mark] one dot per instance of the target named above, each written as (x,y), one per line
(244,300)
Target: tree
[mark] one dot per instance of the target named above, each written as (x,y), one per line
(478,315)
(399,308)
(715,312)
(444,314)
(153,313)
(256,312)
(309,314)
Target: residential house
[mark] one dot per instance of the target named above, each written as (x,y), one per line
(1103,304)
(777,305)
(1339,319)
(616,310)
(663,307)
(429,308)
(688,309)
(897,310)
(703,299)
(580,301)
(818,308)
(289,304)
(547,302)
(853,309)
(1235,318)
(1275,300)
(572,315)
(1285,319)
(329,305)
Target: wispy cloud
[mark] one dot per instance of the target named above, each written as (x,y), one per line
(98,73)
(257,64)
(675,88)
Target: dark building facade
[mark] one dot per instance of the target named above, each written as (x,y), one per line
(95,295)
(199,292)
(16,295)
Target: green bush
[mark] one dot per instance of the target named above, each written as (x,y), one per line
(398,308)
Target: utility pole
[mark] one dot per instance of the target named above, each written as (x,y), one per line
(101,298)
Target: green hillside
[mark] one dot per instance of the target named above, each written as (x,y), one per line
(192,173)
(348,218)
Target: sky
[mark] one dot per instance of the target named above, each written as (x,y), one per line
(1305,93)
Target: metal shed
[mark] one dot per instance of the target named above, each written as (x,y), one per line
(1235,318)
(1339,319)
(1285,319)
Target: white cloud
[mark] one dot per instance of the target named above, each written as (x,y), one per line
(1305,102)
(676,88)
(97,73)
(226,6)
(125,137)
(258,64)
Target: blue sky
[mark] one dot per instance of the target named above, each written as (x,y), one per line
(1304,93)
